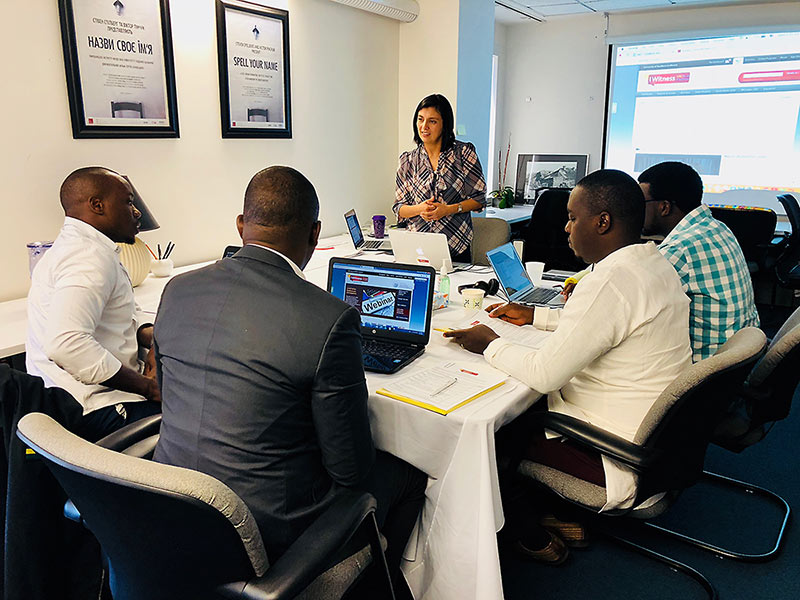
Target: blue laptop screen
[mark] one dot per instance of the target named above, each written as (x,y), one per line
(388,299)
(355,230)
(509,269)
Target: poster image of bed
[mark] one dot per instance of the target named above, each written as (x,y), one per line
(119,70)
(254,75)
(541,171)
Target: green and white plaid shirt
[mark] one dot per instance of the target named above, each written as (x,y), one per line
(715,276)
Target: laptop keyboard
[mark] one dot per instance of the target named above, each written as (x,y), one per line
(388,349)
(539,295)
(373,244)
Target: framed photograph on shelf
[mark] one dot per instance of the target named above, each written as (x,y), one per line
(120,68)
(253,54)
(539,171)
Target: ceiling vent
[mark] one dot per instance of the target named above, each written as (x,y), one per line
(400,10)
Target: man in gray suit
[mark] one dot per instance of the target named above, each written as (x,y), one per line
(262,382)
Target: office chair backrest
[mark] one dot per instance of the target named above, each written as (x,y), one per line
(545,238)
(753,228)
(168,532)
(487,234)
(678,427)
(786,264)
(132,106)
(774,379)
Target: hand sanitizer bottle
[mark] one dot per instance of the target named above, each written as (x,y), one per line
(444,284)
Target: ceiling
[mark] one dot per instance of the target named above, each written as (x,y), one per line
(509,11)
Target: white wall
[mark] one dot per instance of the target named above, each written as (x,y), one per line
(501,131)
(554,88)
(561,66)
(345,120)
(428,63)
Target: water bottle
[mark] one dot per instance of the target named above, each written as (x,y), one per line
(444,284)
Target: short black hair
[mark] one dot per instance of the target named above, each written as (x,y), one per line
(618,194)
(676,182)
(84,183)
(281,197)
(441,104)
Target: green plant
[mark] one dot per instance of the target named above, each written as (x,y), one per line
(504,197)
(504,193)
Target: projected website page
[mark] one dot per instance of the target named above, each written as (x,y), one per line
(387,299)
(727,106)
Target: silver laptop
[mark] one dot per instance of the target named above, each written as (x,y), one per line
(417,248)
(514,279)
(354,229)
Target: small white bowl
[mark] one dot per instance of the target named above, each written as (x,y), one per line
(161,268)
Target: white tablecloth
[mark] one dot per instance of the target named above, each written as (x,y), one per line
(452,554)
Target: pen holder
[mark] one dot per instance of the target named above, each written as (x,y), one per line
(161,268)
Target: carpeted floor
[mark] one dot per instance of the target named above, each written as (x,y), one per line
(741,521)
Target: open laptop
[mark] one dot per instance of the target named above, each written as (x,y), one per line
(354,229)
(395,303)
(418,248)
(514,279)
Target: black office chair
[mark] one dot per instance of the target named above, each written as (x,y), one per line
(787,267)
(172,533)
(257,112)
(545,238)
(669,448)
(754,229)
(132,106)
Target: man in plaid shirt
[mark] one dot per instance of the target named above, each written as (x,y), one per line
(703,251)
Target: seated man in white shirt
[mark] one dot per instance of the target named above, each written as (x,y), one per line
(84,330)
(620,340)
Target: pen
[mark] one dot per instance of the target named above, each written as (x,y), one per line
(445,386)
(442,330)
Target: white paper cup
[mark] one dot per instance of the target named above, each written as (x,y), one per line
(473,298)
(161,268)
(535,270)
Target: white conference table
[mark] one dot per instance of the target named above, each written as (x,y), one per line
(453,552)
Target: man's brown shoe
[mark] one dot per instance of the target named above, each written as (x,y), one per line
(573,534)
(554,553)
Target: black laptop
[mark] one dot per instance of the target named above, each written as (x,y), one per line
(394,301)
(354,229)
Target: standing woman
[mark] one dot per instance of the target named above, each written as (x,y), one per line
(440,181)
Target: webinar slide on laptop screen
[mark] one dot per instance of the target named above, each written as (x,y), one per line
(728,106)
(386,298)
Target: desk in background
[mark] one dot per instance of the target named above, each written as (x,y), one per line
(516,215)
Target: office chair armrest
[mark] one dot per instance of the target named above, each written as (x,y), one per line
(589,436)
(311,554)
(130,434)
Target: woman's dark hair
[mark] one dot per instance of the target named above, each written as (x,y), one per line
(441,104)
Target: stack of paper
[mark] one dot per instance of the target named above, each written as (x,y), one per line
(446,387)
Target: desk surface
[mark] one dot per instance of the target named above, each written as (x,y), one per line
(515,214)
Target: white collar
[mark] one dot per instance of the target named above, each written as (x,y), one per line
(89,231)
(295,268)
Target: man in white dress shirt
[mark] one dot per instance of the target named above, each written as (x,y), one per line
(620,340)
(84,328)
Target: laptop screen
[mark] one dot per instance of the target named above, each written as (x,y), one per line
(394,300)
(354,228)
(510,270)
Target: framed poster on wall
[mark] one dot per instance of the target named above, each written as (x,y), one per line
(120,69)
(253,54)
(539,171)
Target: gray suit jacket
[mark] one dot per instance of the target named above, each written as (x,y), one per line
(263,388)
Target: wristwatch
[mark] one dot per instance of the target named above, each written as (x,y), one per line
(460,208)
